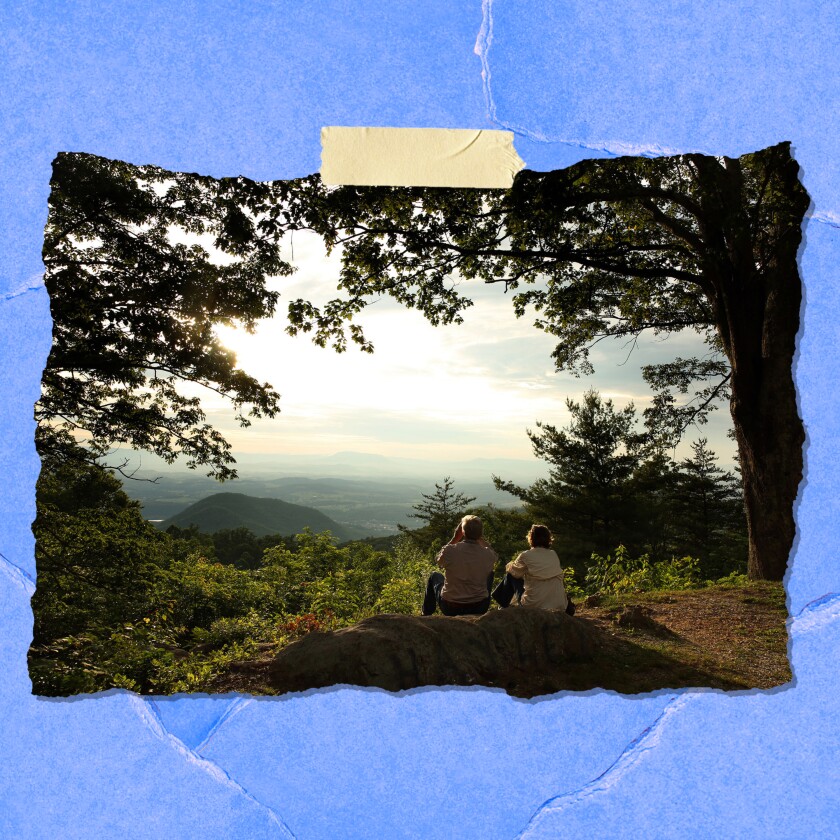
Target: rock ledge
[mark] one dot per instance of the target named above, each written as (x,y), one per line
(397,652)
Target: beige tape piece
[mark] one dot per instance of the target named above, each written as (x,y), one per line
(421,157)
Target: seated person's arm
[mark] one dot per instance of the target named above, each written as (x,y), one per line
(456,538)
(516,567)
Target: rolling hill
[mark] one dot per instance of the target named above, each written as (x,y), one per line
(223,511)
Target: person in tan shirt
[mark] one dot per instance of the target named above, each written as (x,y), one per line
(540,570)
(467,561)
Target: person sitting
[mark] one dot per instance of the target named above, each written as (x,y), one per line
(540,570)
(467,561)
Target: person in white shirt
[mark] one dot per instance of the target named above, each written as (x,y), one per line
(540,570)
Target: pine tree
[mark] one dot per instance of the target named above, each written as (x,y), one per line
(709,513)
(652,499)
(440,512)
(586,498)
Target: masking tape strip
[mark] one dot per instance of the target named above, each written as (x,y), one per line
(421,157)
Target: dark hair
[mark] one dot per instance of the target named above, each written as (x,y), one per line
(539,537)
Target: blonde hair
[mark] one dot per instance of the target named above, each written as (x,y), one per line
(472,527)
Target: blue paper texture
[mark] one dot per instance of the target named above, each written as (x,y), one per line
(226,88)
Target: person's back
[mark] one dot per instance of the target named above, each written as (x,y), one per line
(536,575)
(543,576)
(466,565)
(468,562)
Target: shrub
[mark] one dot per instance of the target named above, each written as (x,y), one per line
(620,573)
(570,584)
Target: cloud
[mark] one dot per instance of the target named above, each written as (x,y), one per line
(477,384)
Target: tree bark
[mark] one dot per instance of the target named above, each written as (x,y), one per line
(765,415)
(759,295)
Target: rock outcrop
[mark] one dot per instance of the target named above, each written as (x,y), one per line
(505,648)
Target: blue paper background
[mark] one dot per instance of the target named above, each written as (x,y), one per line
(225,88)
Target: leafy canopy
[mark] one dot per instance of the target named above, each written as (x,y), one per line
(603,249)
(141,265)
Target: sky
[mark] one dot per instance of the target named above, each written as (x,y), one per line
(457,391)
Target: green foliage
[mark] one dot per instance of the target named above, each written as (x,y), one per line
(601,249)
(709,512)
(250,625)
(585,499)
(619,573)
(195,671)
(403,592)
(734,579)
(100,567)
(570,584)
(202,592)
(120,604)
(619,247)
(440,512)
(141,264)
(610,483)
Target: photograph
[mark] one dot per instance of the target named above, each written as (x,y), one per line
(537,439)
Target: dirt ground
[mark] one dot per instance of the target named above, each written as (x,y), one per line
(719,637)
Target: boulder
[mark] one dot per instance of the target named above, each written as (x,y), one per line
(397,652)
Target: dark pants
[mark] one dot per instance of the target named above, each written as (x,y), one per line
(509,586)
(433,600)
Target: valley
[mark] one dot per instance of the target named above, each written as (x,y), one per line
(366,495)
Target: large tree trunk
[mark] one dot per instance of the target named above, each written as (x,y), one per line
(759,295)
(770,435)
(768,428)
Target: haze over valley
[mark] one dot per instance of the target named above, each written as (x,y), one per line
(369,495)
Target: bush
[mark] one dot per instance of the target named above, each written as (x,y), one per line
(570,584)
(225,631)
(400,595)
(732,579)
(620,573)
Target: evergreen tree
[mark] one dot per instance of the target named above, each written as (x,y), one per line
(586,498)
(652,489)
(709,513)
(440,512)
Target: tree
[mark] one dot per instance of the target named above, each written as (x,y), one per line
(651,490)
(585,499)
(100,567)
(141,265)
(612,248)
(709,511)
(439,511)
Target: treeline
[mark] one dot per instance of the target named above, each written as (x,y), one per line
(120,603)
(610,484)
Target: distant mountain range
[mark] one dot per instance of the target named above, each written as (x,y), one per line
(353,465)
(362,494)
(223,511)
